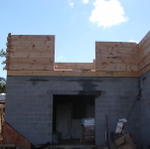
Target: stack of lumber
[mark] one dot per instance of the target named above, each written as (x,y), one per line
(30,52)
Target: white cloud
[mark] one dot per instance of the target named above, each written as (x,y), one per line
(61,58)
(107,13)
(133,41)
(71,4)
(85,1)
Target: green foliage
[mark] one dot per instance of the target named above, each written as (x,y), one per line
(2,80)
(2,53)
(2,85)
(2,88)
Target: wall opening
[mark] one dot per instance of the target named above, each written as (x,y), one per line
(70,112)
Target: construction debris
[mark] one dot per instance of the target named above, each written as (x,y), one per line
(125,141)
(88,128)
(120,125)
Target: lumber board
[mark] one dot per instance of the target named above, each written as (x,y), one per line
(29,64)
(29,42)
(144,61)
(30,48)
(145,48)
(30,45)
(30,67)
(33,54)
(28,37)
(73,66)
(145,39)
(116,44)
(144,69)
(83,74)
(117,67)
(38,61)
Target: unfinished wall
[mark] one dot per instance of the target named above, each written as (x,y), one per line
(145,108)
(120,83)
(144,51)
(116,56)
(30,52)
(28,108)
(29,103)
(145,88)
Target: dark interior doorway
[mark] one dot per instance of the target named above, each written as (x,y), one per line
(68,113)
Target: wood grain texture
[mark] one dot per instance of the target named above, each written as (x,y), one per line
(144,51)
(116,56)
(74,66)
(30,52)
(68,73)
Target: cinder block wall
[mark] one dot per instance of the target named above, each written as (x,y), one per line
(29,103)
(28,108)
(144,67)
(145,108)
(118,100)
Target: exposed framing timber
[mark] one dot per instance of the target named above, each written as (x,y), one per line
(84,74)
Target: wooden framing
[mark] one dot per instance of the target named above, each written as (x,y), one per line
(144,52)
(68,73)
(74,66)
(33,55)
(116,56)
(30,52)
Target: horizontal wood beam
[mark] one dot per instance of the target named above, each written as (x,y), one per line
(67,73)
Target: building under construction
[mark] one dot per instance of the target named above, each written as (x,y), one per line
(46,101)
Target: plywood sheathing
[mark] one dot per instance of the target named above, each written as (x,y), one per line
(116,56)
(30,52)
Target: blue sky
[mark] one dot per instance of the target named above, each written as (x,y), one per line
(77,24)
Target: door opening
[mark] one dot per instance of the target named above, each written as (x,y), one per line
(70,115)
